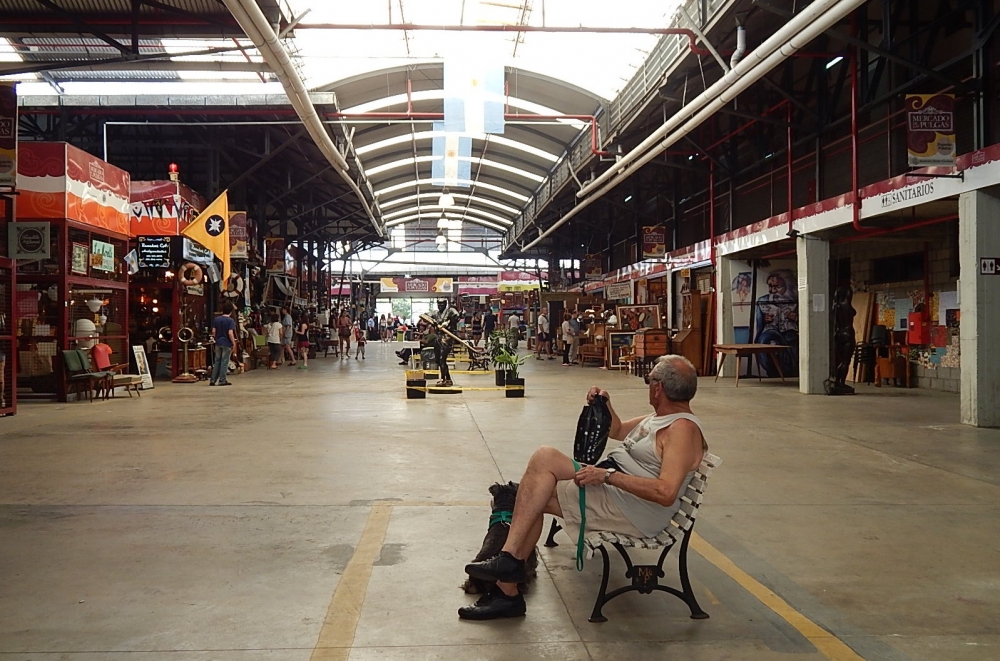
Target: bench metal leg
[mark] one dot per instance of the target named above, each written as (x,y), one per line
(550,541)
(645,580)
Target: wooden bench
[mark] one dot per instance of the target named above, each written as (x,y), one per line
(645,578)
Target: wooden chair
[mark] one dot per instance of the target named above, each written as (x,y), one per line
(645,578)
(78,375)
(115,375)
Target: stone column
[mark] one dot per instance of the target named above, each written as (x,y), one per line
(724,274)
(978,218)
(814,313)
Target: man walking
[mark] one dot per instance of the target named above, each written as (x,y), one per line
(224,334)
(542,339)
(489,323)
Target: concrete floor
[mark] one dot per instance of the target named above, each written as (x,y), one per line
(320,515)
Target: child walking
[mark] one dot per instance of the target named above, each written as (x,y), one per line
(359,337)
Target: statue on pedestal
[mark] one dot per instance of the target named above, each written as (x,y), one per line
(843,341)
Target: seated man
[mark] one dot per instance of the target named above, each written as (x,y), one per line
(637,497)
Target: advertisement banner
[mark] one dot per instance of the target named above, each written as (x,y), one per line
(28,240)
(477,285)
(429,286)
(930,129)
(102,255)
(238,235)
(619,291)
(274,255)
(8,135)
(593,267)
(654,241)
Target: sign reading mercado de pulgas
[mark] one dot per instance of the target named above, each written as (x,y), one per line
(930,129)
(654,241)
(429,286)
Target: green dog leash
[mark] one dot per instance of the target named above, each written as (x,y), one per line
(583,522)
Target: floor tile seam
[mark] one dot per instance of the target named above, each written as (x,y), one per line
(965,505)
(562,600)
(861,444)
(412,505)
(482,436)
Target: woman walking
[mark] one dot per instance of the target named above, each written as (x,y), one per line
(302,340)
(567,337)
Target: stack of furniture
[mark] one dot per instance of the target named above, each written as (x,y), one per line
(650,344)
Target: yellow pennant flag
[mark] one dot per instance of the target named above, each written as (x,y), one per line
(211,229)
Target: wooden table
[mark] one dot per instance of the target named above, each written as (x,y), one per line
(748,351)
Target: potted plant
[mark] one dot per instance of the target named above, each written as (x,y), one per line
(512,362)
(496,343)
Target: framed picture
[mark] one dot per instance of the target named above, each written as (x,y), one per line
(637,317)
(80,259)
(619,342)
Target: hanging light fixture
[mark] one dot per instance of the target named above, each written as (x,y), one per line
(441,240)
(446,199)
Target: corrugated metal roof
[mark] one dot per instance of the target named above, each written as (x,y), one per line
(114,6)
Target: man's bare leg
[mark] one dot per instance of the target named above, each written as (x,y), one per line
(535,497)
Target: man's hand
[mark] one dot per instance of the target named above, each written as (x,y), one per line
(594,392)
(589,475)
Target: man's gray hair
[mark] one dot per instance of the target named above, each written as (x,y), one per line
(677,376)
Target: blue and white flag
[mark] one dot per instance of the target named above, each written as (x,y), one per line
(452,158)
(473,97)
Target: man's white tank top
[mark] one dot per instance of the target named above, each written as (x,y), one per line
(637,456)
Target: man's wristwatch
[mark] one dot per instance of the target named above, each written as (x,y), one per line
(607,475)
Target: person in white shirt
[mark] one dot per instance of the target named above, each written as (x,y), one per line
(543,339)
(513,321)
(275,333)
(567,338)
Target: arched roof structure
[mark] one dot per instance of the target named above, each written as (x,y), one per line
(392,114)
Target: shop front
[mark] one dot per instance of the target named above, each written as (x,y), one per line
(8,356)
(75,293)
(169,291)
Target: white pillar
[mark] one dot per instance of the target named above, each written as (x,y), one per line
(814,313)
(724,334)
(978,215)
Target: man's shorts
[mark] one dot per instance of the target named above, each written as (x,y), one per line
(543,337)
(603,512)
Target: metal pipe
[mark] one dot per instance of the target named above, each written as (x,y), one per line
(741,46)
(855,184)
(732,87)
(250,17)
(812,20)
(788,160)
(711,212)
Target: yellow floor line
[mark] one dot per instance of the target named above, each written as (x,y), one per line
(433,503)
(337,634)
(829,645)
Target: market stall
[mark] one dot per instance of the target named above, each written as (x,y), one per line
(74,293)
(168,292)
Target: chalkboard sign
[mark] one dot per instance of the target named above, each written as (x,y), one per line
(142,366)
(154,252)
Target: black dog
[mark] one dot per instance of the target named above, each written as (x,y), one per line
(504,496)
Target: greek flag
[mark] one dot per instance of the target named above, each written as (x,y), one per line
(452,154)
(473,97)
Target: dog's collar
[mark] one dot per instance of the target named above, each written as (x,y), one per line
(501,516)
